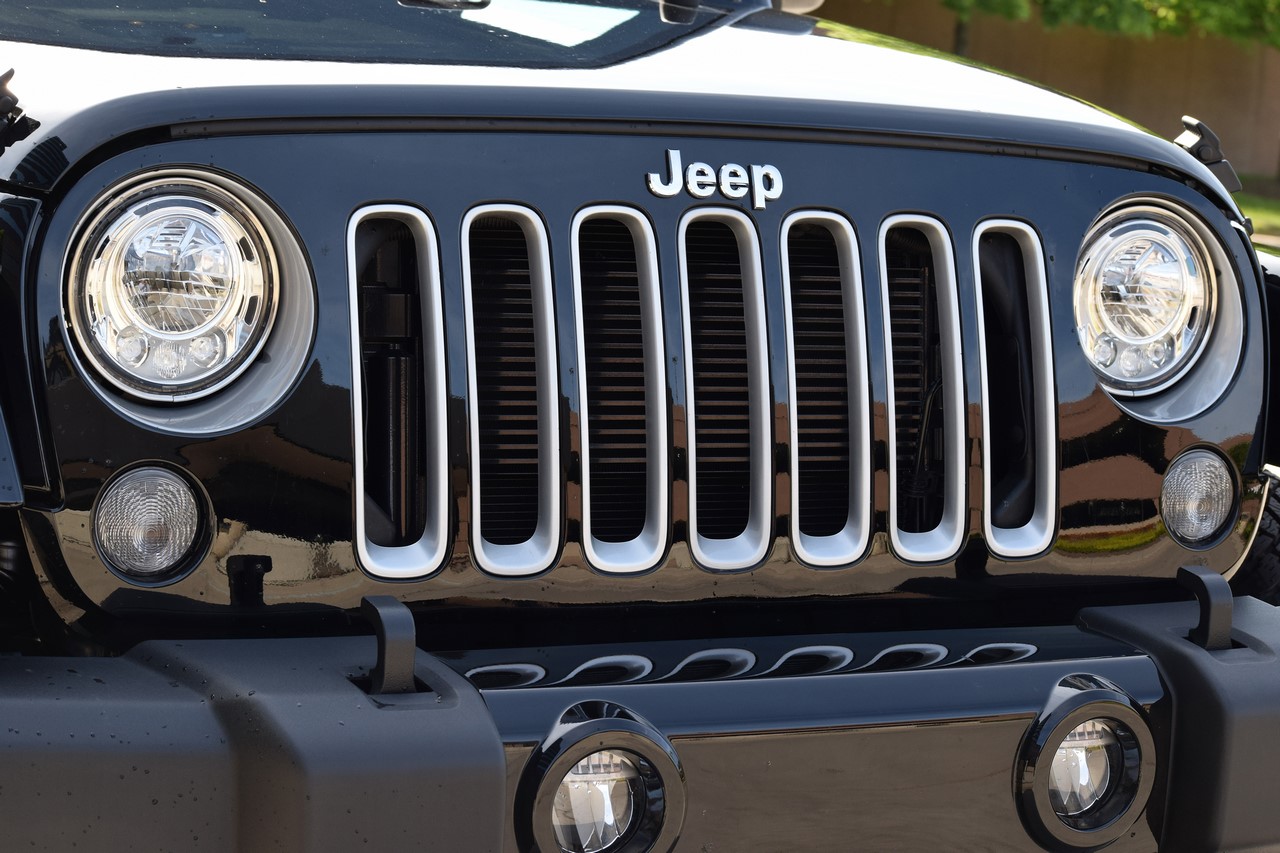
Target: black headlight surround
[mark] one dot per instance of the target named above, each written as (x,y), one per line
(590,727)
(1077,699)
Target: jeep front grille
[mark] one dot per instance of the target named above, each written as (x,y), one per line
(623,374)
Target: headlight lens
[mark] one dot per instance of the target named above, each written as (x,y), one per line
(173,290)
(1145,298)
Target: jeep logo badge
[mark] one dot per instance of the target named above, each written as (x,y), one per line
(733,181)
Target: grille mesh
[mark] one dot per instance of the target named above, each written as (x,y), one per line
(506,380)
(917,380)
(615,370)
(722,420)
(821,370)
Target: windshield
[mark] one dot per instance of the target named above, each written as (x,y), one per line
(522,33)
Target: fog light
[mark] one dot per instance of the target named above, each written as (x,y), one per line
(146,524)
(1197,498)
(1083,767)
(603,780)
(596,802)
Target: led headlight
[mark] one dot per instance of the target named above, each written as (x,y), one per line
(172,289)
(1145,298)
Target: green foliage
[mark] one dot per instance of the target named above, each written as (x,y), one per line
(1017,10)
(1248,20)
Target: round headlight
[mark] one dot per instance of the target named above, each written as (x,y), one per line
(172,290)
(1145,298)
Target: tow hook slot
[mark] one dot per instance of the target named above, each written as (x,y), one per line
(397,645)
(1213,593)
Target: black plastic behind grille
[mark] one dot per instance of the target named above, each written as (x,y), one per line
(391,366)
(506,380)
(615,370)
(722,427)
(917,380)
(822,390)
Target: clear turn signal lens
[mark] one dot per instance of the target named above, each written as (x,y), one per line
(1198,497)
(146,524)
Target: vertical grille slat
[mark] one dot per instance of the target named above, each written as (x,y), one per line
(927,411)
(821,370)
(1019,410)
(830,410)
(725,370)
(514,422)
(622,383)
(398,392)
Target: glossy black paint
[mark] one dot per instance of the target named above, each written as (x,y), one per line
(910,760)
(281,487)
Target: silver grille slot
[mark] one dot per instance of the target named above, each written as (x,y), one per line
(1036,534)
(726,355)
(830,426)
(398,393)
(622,386)
(941,538)
(512,377)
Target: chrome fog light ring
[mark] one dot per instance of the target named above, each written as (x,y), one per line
(1085,712)
(585,731)
(151,524)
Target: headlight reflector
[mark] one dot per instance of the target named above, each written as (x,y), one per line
(1145,298)
(173,289)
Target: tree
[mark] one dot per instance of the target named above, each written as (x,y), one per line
(1247,20)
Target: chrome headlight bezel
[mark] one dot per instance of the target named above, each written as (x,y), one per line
(1143,328)
(102,314)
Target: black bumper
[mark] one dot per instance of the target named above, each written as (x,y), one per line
(276,745)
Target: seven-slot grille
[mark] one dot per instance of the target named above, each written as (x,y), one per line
(517,482)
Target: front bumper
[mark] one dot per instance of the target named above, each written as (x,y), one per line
(277,745)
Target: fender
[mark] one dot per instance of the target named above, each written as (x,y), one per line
(10,485)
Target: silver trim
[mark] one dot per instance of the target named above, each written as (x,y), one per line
(637,667)
(1019,651)
(838,657)
(643,552)
(537,553)
(284,351)
(1036,535)
(426,556)
(750,547)
(531,673)
(850,542)
(740,660)
(942,542)
(1270,473)
(930,654)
